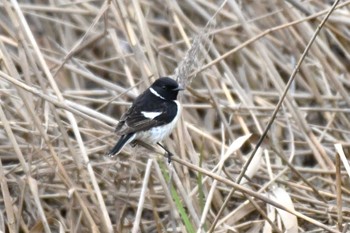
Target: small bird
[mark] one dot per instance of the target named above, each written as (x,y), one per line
(152,116)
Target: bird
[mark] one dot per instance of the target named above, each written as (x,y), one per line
(151,117)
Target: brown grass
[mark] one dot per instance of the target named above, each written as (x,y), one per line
(69,70)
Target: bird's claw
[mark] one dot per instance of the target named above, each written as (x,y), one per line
(169,155)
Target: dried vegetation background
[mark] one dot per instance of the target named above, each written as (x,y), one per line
(70,69)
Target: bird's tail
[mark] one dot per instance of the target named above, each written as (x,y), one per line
(124,140)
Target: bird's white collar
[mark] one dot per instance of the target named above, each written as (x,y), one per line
(156,93)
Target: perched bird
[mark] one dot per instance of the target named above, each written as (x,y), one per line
(152,116)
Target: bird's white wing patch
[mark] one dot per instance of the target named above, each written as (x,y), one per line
(151,115)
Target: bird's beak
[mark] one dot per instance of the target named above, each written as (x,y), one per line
(179,88)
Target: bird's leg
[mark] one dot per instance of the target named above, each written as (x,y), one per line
(133,143)
(167,151)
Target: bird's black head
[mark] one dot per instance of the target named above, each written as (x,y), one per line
(166,88)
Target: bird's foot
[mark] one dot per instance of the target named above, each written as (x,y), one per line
(133,143)
(169,155)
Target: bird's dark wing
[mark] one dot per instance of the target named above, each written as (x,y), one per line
(134,119)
